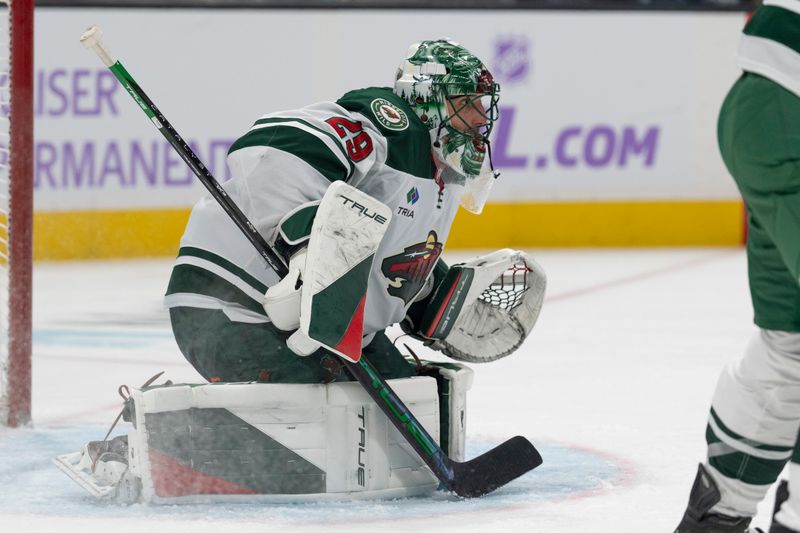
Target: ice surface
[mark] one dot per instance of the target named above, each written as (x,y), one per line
(613,387)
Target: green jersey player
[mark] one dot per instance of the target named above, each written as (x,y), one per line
(755,413)
(420,148)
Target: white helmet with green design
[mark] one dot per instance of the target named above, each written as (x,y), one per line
(433,73)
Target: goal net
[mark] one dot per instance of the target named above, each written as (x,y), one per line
(16,203)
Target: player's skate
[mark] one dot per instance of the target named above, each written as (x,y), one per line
(781,495)
(101,468)
(702,498)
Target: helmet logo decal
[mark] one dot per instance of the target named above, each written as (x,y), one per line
(389,115)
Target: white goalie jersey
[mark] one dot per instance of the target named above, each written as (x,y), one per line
(281,169)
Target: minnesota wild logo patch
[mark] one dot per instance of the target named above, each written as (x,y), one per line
(406,272)
(389,115)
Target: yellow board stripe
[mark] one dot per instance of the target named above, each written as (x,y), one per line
(156,233)
(107,234)
(629,223)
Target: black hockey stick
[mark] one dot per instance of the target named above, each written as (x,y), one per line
(469,479)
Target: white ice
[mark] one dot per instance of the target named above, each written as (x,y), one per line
(613,387)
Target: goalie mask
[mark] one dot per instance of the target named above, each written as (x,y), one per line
(454,94)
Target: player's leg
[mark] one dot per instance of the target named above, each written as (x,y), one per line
(763,391)
(224,350)
(387,359)
(756,408)
(751,432)
(753,422)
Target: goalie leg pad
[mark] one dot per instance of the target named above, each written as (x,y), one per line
(273,442)
(276,442)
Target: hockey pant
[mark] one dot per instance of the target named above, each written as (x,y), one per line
(228,351)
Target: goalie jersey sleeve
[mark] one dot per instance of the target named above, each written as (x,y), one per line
(280,170)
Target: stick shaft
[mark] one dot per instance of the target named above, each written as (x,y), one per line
(204,175)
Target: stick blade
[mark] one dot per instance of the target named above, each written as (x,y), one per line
(495,468)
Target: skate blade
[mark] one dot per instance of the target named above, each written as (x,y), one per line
(69,464)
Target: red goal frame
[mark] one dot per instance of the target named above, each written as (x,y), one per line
(20,218)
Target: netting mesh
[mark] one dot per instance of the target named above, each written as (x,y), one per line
(506,292)
(5,114)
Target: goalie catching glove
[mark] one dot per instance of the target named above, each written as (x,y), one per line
(482,310)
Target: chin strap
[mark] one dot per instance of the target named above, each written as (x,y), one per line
(437,141)
(491,164)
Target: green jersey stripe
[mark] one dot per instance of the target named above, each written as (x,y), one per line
(299,142)
(767,451)
(791,5)
(748,469)
(296,225)
(740,465)
(776,24)
(289,121)
(193,279)
(225,264)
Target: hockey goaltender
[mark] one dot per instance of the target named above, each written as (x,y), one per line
(280,419)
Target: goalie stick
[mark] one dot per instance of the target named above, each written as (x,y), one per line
(468,479)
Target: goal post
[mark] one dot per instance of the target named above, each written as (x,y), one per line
(16,209)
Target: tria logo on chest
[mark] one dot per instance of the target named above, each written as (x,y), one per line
(406,212)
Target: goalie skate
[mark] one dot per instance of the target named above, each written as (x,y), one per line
(101,468)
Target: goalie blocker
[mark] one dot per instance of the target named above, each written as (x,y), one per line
(272,442)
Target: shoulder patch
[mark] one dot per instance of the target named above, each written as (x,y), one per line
(389,115)
(407,137)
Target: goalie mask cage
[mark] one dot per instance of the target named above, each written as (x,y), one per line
(16,207)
